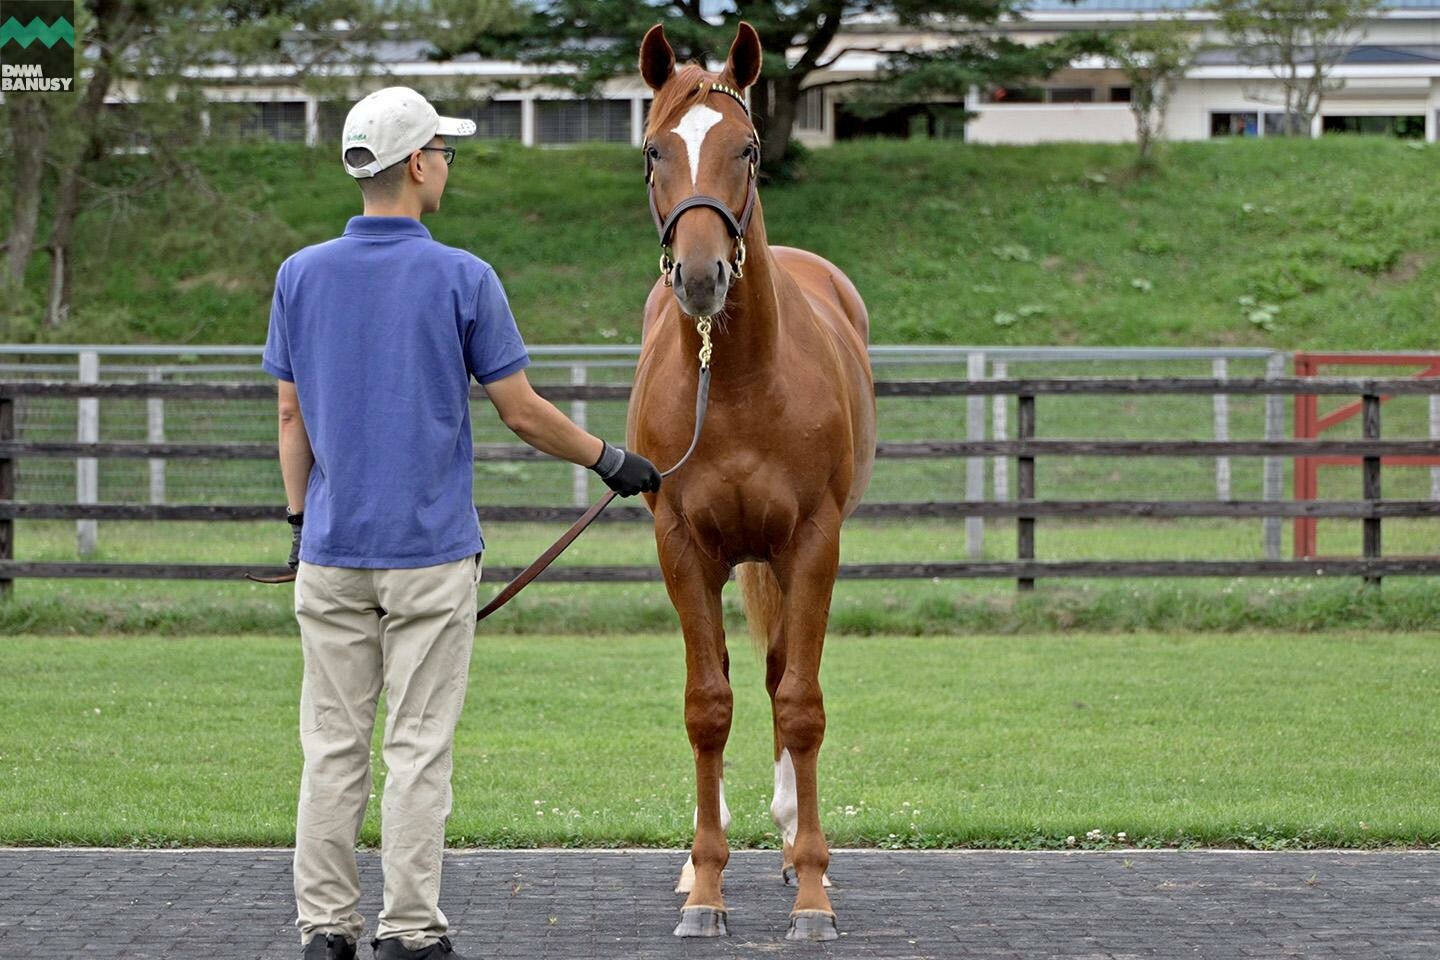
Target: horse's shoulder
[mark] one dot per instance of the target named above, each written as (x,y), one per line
(821,280)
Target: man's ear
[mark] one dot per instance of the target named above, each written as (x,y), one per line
(743,64)
(657,60)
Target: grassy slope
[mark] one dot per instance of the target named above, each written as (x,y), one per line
(1286,740)
(1058,244)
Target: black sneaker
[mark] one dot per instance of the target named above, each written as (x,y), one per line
(328,946)
(392,949)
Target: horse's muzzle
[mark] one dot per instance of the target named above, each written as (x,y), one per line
(701,292)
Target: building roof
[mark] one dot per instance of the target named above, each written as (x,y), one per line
(1418,53)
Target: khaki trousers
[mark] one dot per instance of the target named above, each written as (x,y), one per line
(410,631)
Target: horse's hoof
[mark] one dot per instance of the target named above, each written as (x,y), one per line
(702,922)
(812,925)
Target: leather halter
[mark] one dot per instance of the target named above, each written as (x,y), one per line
(735,226)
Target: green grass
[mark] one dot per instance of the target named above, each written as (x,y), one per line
(1052,244)
(1248,740)
(181,608)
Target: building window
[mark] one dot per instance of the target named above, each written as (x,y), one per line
(1241,124)
(576,121)
(494,119)
(1044,95)
(1119,94)
(1275,125)
(1017,95)
(810,111)
(283,121)
(1406,126)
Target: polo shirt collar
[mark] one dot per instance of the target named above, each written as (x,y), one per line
(385,227)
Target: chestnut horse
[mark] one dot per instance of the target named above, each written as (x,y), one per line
(786,454)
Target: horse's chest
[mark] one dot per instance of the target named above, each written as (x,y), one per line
(743,507)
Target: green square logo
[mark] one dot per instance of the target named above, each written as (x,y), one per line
(37,46)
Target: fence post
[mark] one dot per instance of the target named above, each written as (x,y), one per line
(1274,468)
(1222,430)
(7,491)
(999,429)
(1025,526)
(579,412)
(1435,435)
(87,469)
(975,466)
(1372,484)
(155,433)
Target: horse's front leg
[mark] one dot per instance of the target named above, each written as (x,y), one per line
(806,573)
(694,582)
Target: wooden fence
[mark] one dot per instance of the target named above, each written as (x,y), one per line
(1025,449)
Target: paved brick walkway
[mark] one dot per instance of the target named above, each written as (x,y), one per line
(589,905)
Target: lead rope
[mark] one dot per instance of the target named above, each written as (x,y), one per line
(702,400)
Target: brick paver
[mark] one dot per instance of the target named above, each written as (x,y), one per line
(597,905)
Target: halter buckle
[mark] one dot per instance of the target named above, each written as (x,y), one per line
(738,267)
(667,264)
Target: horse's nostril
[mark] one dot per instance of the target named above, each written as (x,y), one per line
(720,272)
(675,275)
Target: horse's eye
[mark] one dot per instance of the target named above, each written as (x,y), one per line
(752,152)
(652,151)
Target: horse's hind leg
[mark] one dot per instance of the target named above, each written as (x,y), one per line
(694,583)
(807,576)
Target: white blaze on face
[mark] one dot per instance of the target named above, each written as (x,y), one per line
(693,128)
(785,808)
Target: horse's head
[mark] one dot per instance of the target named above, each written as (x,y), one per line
(701,154)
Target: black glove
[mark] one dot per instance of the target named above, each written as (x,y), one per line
(296,521)
(625,472)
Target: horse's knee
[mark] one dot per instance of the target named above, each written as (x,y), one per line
(707,715)
(800,714)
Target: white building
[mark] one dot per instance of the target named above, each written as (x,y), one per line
(1391,85)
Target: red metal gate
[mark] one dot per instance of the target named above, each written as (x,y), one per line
(1309,424)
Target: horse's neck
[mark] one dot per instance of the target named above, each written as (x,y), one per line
(747,337)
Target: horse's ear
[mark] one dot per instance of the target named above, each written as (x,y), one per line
(657,60)
(745,53)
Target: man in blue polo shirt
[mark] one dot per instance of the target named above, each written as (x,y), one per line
(374,337)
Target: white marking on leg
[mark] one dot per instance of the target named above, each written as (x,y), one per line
(687,872)
(785,808)
(693,128)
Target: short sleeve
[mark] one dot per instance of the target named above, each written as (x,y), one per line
(493,347)
(276,358)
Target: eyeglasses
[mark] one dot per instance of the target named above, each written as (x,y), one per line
(448,151)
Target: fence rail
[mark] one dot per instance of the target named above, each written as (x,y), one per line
(1371,509)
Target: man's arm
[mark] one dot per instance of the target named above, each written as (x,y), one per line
(536,420)
(539,423)
(296,457)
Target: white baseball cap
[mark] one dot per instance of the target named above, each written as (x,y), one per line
(392,124)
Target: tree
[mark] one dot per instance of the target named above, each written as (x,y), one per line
(141,50)
(1299,42)
(1153,57)
(600,39)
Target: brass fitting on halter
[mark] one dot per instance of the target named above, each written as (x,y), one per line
(667,265)
(738,267)
(702,327)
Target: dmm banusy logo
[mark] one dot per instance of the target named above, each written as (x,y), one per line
(37,46)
